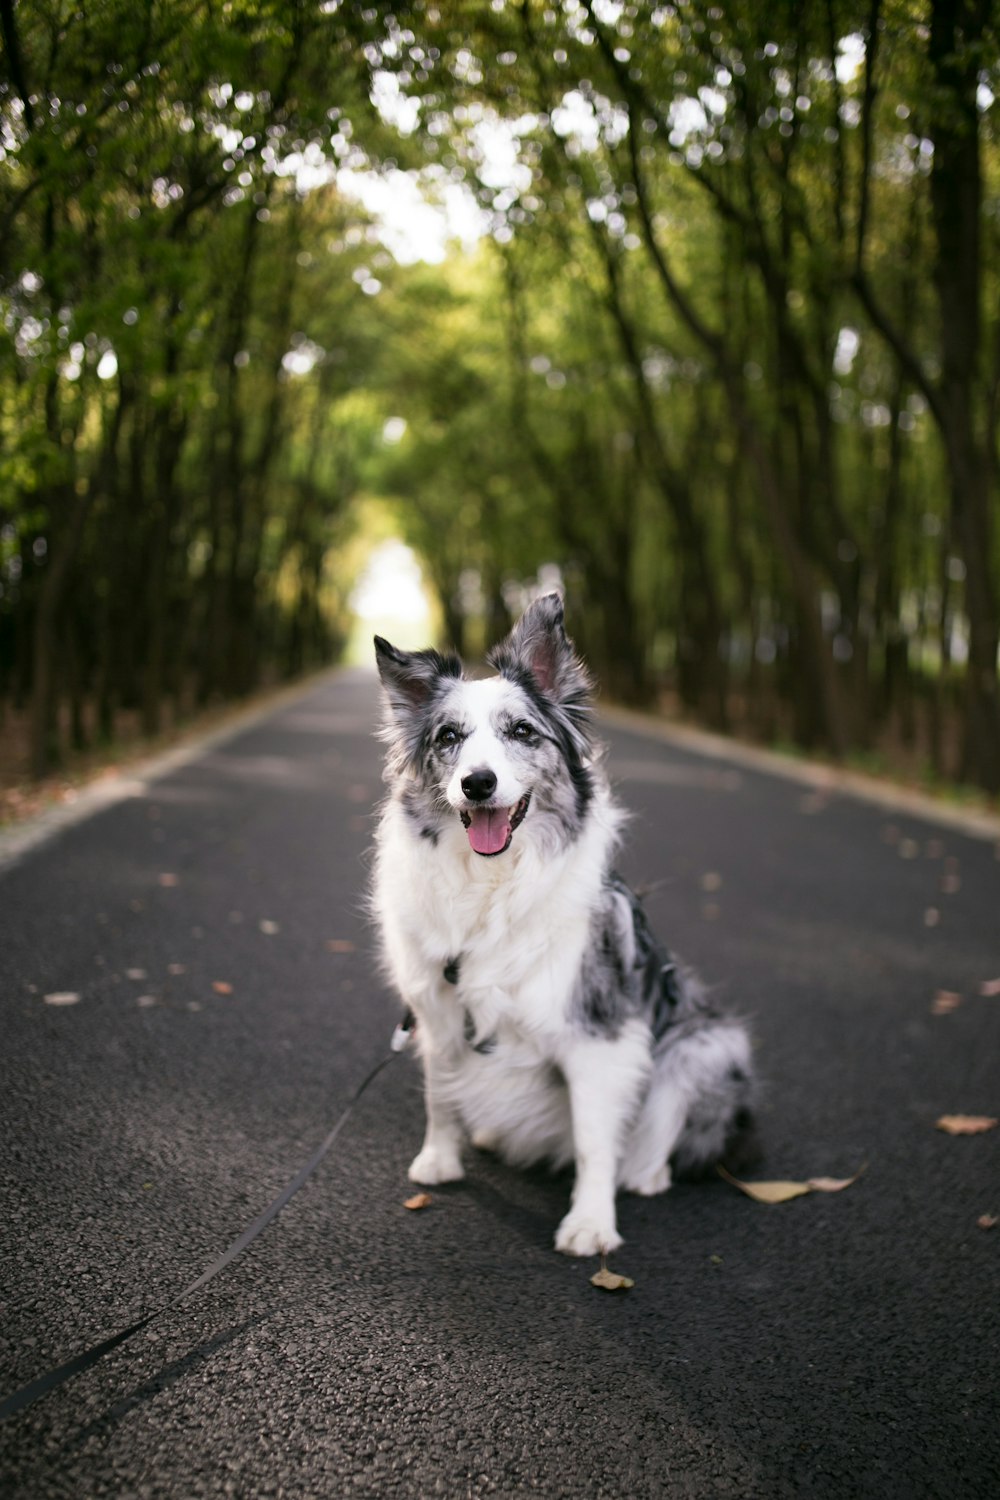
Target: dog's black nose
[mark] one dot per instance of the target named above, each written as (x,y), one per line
(479,785)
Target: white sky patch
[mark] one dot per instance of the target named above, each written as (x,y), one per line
(302,358)
(496,143)
(850,56)
(395,107)
(577,120)
(391,586)
(311,168)
(410,224)
(848,344)
(687,117)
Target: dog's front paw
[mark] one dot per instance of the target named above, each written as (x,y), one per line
(579,1234)
(435,1164)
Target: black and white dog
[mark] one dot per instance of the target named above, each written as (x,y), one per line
(551,1024)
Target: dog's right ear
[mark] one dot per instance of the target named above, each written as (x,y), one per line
(410,677)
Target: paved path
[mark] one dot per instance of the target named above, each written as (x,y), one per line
(841,1346)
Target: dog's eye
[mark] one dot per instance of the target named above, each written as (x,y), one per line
(523,731)
(447,735)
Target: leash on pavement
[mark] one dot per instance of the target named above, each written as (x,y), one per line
(52,1379)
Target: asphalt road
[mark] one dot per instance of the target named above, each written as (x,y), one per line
(213,929)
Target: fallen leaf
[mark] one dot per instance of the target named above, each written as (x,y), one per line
(176,968)
(908,848)
(990,987)
(951,884)
(136,973)
(783,1191)
(711,881)
(169,880)
(987,1221)
(221,987)
(268,927)
(340,945)
(62,997)
(931,917)
(834,1184)
(966,1124)
(945,1001)
(610,1281)
(419,1200)
(145,1001)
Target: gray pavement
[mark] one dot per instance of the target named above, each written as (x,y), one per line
(213,929)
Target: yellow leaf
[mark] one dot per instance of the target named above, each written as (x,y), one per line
(834,1184)
(785,1191)
(222,987)
(768,1192)
(419,1200)
(610,1281)
(966,1124)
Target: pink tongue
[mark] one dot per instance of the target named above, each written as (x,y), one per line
(489,829)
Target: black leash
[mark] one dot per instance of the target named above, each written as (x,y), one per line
(52,1379)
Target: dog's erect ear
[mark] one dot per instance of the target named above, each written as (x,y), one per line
(538,645)
(409,677)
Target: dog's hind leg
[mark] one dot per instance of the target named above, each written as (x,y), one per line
(645,1167)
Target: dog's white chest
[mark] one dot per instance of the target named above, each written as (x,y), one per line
(505,943)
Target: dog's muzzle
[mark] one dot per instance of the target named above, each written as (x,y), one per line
(491,829)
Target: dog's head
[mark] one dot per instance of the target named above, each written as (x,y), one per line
(494,752)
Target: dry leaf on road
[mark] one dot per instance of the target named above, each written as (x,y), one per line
(419,1200)
(990,987)
(62,997)
(784,1191)
(221,987)
(340,945)
(945,1001)
(965,1124)
(610,1281)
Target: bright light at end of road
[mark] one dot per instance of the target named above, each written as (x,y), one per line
(390,596)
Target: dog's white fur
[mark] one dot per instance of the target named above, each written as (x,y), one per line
(505,1056)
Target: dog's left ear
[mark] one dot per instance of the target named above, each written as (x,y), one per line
(410,677)
(539,645)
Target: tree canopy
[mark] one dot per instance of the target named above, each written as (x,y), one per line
(726,353)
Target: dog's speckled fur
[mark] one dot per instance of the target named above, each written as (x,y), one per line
(551,1023)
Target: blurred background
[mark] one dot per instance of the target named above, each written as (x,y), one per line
(319,318)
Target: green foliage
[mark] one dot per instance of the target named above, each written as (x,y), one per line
(727,357)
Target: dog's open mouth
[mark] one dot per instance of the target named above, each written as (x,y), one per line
(491,829)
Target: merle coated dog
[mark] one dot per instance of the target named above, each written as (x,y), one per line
(551,1024)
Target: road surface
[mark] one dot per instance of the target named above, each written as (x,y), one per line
(214,934)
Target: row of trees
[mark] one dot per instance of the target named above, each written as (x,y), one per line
(176,454)
(729,355)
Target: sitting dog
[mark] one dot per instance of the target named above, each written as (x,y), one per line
(551,1024)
